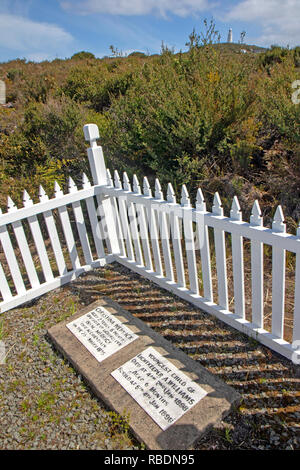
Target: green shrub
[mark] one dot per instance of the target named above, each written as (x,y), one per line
(37,87)
(50,132)
(137,54)
(274,96)
(96,86)
(178,120)
(196,118)
(274,55)
(277,55)
(83,55)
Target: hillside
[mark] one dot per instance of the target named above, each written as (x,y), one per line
(237,47)
(213,116)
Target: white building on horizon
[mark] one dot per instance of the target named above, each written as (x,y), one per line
(2,92)
(229,39)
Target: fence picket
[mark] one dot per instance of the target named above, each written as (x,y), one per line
(67,229)
(80,224)
(153,230)
(24,247)
(257,270)
(164,234)
(95,224)
(143,226)
(204,247)
(133,223)
(189,240)
(176,237)
(4,287)
(296,329)
(38,239)
(124,218)
(53,235)
(116,216)
(278,277)
(237,262)
(11,259)
(219,237)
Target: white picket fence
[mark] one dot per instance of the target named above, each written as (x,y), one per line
(160,239)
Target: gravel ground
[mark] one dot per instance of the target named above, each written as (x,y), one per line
(44,404)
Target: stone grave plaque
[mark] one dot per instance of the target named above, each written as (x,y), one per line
(159,387)
(101,333)
(167,414)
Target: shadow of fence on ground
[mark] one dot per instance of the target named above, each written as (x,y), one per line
(268,383)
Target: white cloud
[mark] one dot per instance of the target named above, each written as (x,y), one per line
(279,20)
(30,37)
(137,7)
(39,56)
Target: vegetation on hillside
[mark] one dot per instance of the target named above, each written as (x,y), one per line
(212,117)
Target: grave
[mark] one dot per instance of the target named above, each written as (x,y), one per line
(170,398)
(2,92)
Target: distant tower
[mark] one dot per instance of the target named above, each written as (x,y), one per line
(2,92)
(229,39)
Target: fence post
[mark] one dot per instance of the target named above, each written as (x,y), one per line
(99,175)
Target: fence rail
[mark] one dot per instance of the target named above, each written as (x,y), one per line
(167,242)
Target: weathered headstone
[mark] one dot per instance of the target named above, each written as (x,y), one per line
(2,92)
(170,398)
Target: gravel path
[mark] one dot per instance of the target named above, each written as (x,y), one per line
(44,404)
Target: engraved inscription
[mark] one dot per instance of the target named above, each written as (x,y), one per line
(159,387)
(101,333)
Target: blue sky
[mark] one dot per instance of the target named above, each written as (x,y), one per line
(46,29)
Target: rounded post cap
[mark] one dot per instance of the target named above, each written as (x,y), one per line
(91,132)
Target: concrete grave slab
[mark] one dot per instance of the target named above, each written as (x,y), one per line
(119,380)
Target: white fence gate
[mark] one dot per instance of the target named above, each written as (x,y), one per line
(52,242)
